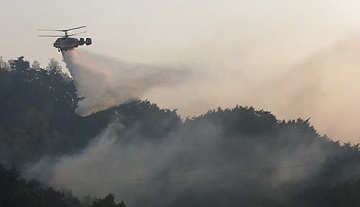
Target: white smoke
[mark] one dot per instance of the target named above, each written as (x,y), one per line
(189,161)
(310,88)
(102,82)
(325,86)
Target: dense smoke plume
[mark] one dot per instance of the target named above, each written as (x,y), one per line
(323,86)
(193,164)
(325,82)
(102,82)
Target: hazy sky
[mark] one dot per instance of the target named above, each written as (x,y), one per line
(224,32)
(236,44)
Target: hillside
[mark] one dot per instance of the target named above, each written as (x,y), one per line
(226,157)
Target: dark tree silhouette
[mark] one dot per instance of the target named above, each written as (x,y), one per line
(15,191)
(107,201)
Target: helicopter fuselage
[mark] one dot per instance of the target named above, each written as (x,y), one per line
(69,43)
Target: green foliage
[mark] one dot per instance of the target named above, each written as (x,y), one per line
(147,119)
(37,114)
(29,101)
(37,119)
(17,192)
(107,201)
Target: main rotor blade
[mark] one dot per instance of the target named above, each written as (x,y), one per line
(61,30)
(49,36)
(76,33)
(57,30)
(74,28)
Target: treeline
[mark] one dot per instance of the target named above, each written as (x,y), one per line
(18,192)
(37,119)
(282,163)
(37,114)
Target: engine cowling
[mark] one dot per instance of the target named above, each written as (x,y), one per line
(81,41)
(88,41)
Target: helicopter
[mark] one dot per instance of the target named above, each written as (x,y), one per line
(66,42)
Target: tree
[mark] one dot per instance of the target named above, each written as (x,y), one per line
(19,64)
(53,66)
(4,65)
(35,65)
(18,192)
(107,201)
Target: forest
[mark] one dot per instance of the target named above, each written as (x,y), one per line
(226,157)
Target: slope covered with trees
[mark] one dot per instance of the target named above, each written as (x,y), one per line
(37,114)
(18,192)
(279,163)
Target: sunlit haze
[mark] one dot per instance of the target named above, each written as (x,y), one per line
(293,58)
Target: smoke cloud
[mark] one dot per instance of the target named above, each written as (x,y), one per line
(193,162)
(102,82)
(323,86)
(323,82)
